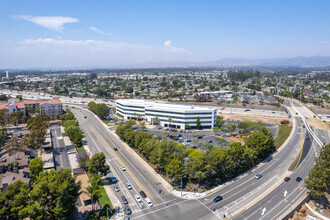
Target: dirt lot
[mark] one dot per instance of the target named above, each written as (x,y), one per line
(251,117)
(316,123)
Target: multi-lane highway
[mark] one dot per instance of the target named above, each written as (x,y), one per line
(245,197)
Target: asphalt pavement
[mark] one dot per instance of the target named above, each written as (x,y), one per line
(61,158)
(236,193)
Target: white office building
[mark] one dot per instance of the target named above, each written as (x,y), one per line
(167,114)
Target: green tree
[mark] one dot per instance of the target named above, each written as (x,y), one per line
(74,134)
(93,190)
(198,122)
(129,89)
(15,145)
(97,164)
(13,200)
(57,192)
(20,97)
(318,180)
(174,168)
(219,121)
(36,167)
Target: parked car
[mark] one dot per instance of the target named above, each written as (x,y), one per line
(128,210)
(149,203)
(125,201)
(209,141)
(217,199)
(143,194)
(71,152)
(128,185)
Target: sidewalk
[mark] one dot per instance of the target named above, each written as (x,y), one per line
(189,195)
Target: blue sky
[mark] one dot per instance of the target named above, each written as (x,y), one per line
(112,33)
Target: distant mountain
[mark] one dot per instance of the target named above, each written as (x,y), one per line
(314,61)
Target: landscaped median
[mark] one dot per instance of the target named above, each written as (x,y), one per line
(283,134)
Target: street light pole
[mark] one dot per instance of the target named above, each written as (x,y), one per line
(181,187)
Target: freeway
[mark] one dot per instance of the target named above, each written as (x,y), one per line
(237,194)
(278,203)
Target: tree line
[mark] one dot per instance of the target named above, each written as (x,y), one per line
(71,127)
(101,110)
(52,195)
(318,180)
(215,165)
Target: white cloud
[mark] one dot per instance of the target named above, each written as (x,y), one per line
(52,22)
(168,46)
(99,31)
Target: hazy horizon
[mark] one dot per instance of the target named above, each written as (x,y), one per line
(39,34)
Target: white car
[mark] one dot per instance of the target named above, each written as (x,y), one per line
(149,204)
(128,185)
(71,152)
(123,168)
(137,198)
(116,188)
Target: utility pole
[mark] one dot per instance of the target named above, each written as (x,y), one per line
(181,187)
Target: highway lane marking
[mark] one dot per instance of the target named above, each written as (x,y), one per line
(160,209)
(239,200)
(123,172)
(285,192)
(208,208)
(289,204)
(102,131)
(124,189)
(282,200)
(130,173)
(263,211)
(301,148)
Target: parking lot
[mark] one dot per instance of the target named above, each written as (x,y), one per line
(198,139)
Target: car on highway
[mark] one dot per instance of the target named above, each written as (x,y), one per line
(143,194)
(258,176)
(247,110)
(115,149)
(125,201)
(298,179)
(217,199)
(85,116)
(116,188)
(137,198)
(286,179)
(128,210)
(129,186)
(122,168)
(149,203)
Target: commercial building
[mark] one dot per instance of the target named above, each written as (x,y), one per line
(47,107)
(166,114)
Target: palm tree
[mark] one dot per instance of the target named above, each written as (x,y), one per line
(94,188)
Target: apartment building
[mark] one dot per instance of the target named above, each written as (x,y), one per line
(47,107)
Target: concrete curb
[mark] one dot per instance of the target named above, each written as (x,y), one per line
(168,186)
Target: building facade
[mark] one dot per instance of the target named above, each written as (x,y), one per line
(166,114)
(47,107)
